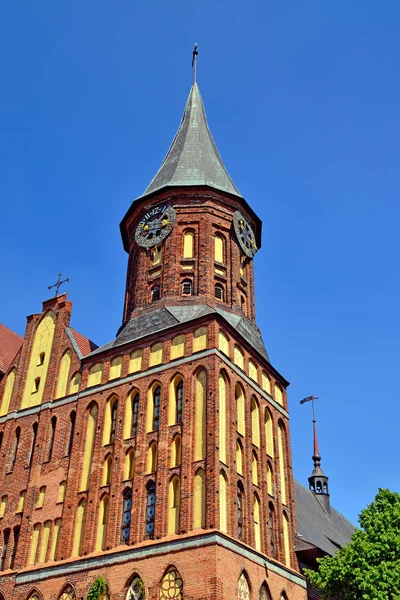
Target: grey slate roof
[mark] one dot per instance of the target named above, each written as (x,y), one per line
(193,158)
(160,319)
(329,532)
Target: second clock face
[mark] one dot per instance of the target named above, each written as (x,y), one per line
(244,234)
(155,226)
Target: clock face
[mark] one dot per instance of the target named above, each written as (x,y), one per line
(155,226)
(244,234)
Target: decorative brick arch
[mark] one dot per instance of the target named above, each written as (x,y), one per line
(67,593)
(243,590)
(171,587)
(34,594)
(135,589)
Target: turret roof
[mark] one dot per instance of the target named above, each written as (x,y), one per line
(193,157)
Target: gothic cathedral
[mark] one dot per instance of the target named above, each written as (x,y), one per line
(158,466)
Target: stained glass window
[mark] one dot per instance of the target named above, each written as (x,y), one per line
(135,415)
(126,516)
(114,413)
(150,509)
(136,590)
(240,511)
(243,588)
(156,408)
(179,402)
(172,586)
(68,594)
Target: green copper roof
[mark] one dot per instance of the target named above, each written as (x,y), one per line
(193,158)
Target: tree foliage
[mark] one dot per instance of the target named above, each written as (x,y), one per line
(368,568)
(98,589)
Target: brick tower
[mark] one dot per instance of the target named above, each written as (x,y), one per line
(157,466)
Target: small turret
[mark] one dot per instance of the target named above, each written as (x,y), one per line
(318,482)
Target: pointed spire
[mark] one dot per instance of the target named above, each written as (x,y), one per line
(193,158)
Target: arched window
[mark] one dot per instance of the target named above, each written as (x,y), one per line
(219,292)
(243,588)
(5,404)
(269,434)
(95,375)
(45,542)
(89,447)
(75,383)
(61,491)
(255,422)
(238,357)
(270,486)
(176,451)
(219,248)
(115,368)
(153,408)
(286,540)
(39,361)
(136,590)
(239,457)
(223,343)
(254,468)
(54,539)
(63,374)
(150,509)
(107,470)
(199,513)
(156,255)
(200,339)
(240,494)
(278,395)
(34,543)
(239,395)
(152,458)
(253,371)
(52,436)
(176,401)
(271,525)
(41,497)
(72,419)
(282,460)
(187,287)
(178,347)
(126,516)
(156,354)
(135,361)
(16,532)
(131,415)
(102,523)
(174,501)
(68,593)
(6,539)
(188,244)
(130,464)
(171,585)
(15,448)
(32,450)
(264,593)
(265,382)
(21,503)
(3,505)
(200,416)
(257,524)
(223,502)
(222,417)
(110,421)
(155,293)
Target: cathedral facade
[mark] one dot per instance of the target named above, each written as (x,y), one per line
(157,466)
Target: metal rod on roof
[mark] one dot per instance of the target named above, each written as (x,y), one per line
(194,63)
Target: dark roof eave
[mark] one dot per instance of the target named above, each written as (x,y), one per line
(150,196)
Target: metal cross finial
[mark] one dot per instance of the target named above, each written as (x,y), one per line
(58,283)
(308,399)
(194,63)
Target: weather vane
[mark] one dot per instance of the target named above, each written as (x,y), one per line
(58,283)
(311,399)
(194,62)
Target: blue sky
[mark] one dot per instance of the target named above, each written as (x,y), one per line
(303,101)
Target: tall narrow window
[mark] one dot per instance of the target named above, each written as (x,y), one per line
(253,371)
(239,457)
(107,470)
(199,516)
(75,383)
(77,547)
(152,458)
(187,287)
(174,500)
(126,516)
(270,487)
(223,501)
(41,497)
(21,503)
(200,339)
(34,436)
(271,524)
(72,419)
(179,402)
(1,438)
(222,418)
(269,436)
(156,408)
(5,404)
(89,447)
(130,464)
(135,361)
(131,415)
(219,292)
(219,250)
(188,244)
(239,395)
(177,347)
(255,422)
(176,451)
(102,523)
(16,532)
(278,395)
(115,368)
(135,415)
(200,416)
(95,375)
(156,354)
(15,448)
(3,505)
(52,436)
(240,493)
(34,543)
(238,357)
(257,524)
(45,542)
(61,491)
(55,539)
(254,468)
(156,253)
(265,382)
(114,414)
(286,541)
(6,539)
(63,375)
(150,509)
(282,461)
(155,293)
(223,343)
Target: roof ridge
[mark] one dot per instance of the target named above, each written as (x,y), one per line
(12,331)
